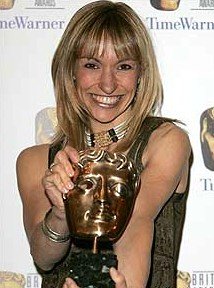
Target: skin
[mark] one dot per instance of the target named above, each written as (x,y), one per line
(165,161)
(106,86)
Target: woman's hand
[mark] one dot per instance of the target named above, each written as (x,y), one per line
(116,276)
(58,179)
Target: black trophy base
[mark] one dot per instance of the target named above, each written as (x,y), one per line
(91,270)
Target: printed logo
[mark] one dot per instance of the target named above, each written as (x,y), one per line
(207,137)
(165,5)
(6,4)
(45,4)
(45,125)
(36,4)
(33,280)
(202,279)
(11,280)
(183,279)
(204,5)
(27,22)
(207,185)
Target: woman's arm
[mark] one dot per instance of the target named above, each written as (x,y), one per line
(40,190)
(166,164)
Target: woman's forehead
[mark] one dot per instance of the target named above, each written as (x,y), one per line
(105,47)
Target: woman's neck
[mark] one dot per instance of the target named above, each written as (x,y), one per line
(97,127)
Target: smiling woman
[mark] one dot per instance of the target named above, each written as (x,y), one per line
(109,54)
(108,91)
(106,85)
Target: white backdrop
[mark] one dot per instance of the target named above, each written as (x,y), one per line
(184,43)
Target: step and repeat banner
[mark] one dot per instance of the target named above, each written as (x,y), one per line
(183,36)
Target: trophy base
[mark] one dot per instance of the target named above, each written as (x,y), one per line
(91,270)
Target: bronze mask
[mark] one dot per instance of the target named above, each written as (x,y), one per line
(103,198)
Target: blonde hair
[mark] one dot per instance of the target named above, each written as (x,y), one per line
(90,24)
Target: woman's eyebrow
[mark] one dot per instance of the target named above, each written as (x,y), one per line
(126,59)
(100,60)
(90,58)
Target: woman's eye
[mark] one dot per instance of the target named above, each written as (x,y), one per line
(125,67)
(91,66)
(120,190)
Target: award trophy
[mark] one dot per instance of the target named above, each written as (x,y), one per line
(98,209)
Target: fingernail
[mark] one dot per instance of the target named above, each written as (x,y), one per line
(65,190)
(70,185)
(71,174)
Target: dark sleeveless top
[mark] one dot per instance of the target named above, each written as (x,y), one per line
(168,226)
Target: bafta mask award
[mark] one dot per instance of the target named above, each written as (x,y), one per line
(98,209)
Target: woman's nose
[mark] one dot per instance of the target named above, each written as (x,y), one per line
(108,82)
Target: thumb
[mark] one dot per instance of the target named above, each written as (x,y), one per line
(118,278)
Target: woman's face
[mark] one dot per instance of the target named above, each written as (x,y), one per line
(106,85)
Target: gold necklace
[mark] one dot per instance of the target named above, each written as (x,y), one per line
(105,138)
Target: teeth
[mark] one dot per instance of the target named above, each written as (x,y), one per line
(106,99)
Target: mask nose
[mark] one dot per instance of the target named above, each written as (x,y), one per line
(101,193)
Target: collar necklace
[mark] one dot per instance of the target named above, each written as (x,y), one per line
(105,138)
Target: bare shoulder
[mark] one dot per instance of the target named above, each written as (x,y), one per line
(168,141)
(31,165)
(35,153)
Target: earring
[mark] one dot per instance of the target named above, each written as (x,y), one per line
(74,78)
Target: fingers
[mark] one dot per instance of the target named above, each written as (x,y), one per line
(67,157)
(65,168)
(59,178)
(69,283)
(73,154)
(118,278)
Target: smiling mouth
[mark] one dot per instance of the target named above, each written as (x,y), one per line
(106,100)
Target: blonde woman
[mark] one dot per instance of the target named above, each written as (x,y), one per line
(107,83)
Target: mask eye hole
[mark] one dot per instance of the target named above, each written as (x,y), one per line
(86,184)
(120,190)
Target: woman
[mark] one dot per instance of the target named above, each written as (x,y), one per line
(106,79)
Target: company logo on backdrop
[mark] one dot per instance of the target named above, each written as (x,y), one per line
(6,4)
(45,4)
(202,279)
(42,22)
(45,125)
(11,280)
(183,279)
(166,5)
(207,137)
(207,147)
(33,280)
(206,4)
(180,23)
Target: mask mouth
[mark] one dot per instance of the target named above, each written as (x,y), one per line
(100,213)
